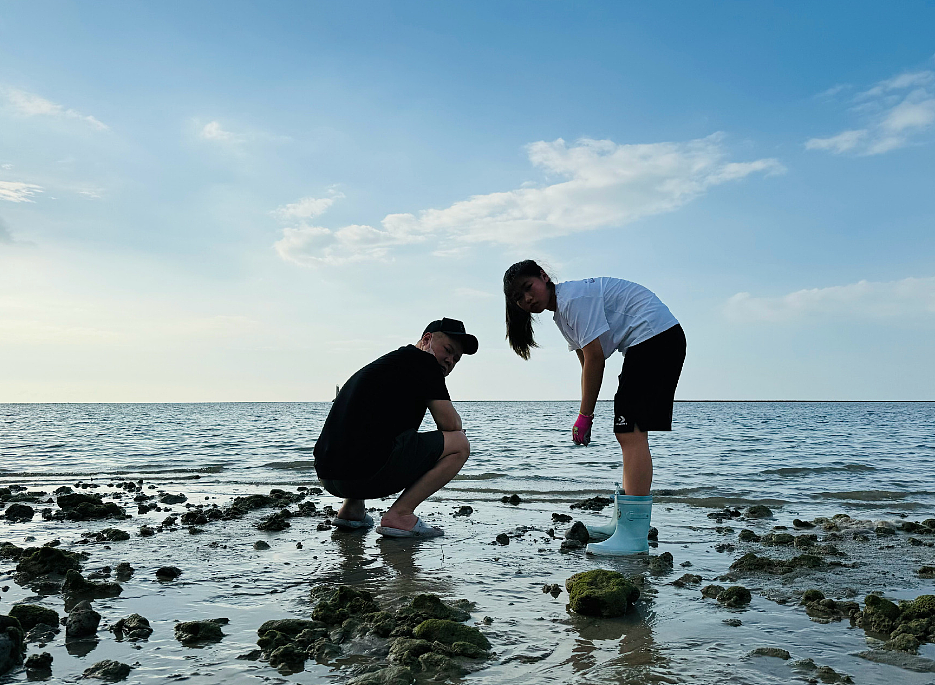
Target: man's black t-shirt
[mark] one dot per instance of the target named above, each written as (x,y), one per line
(383,399)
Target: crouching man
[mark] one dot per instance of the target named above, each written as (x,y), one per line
(370,445)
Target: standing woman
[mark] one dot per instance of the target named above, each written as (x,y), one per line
(598,316)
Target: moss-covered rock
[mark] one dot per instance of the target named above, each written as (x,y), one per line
(392,675)
(288,658)
(31,615)
(437,664)
(922,607)
(133,627)
(601,593)
(735,596)
(19,513)
(775,652)
(712,591)
(449,632)
(343,603)
(747,535)
(758,511)
(812,595)
(12,643)
(77,586)
(879,615)
(36,562)
(406,651)
(903,643)
(108,670)
(752,563)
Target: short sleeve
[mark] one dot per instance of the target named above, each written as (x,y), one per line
(433,381)
(585,319)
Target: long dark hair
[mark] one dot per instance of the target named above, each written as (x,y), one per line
(519,322)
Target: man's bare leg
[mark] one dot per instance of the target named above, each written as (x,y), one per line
(454,455)
(637,462)
(352,510)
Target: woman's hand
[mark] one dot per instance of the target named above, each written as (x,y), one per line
(581,431)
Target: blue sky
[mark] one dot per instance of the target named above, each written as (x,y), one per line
(249,201)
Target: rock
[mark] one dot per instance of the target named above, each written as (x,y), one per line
(344,603)
(260,545)
(571,546)
(431,606)
(392,675)
(167,498)
(438,664)
(661,564)
(82,621)
(771,651)
(12,646)
(108,670)
(76,586)
(711,591)
(826,609)
(81,507)
(19,513)
(812,596)
(903,643)
(10,551)
(747,535)
(503,539)
(554,589)
(112,535)
(168,572)
(42,633)
(922,607)
(799,523)
(449,632)
(40,663)
(601,593)
(194,518)
(36,562)
(687,579)
(193,632)
(751,563)
(124,571)
(879,615)
(735,596)
(593,504)
(513,499)
(30,615)
(561,518)
(579,532)
(147,531)
(406,651)
(289,626)
(274,522)
(733,622)
(758,511)
(133,627)
(884,530)
(778,539)
(653,533)
(288,659)
(464,511)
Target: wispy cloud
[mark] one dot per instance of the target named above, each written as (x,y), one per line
(895,112)
(31,105)
(864,299)
(213,131)
(591,184)
(306,208)
(17,191)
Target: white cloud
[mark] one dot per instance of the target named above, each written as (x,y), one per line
(895,112)
(213,131)
(594,184)
(30,104)
(306,208)
(17,191)
(865,299)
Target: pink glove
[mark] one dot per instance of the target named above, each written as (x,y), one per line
(581,432)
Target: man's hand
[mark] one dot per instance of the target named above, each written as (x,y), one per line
(581,431)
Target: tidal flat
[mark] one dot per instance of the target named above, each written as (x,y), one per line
(246,555)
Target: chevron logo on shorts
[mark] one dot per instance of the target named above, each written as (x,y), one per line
(620,421)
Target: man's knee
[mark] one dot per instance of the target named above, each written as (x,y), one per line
(457,445)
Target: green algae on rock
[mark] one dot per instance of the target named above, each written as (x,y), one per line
(391,675)
(31,615)
(193,632)
(449,632)
(751,563)
(109,670)
(77,586)
(758,511)
(36,562)
(601,593)
(775,652)
(735,596)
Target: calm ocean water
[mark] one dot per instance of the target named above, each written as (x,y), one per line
(858,455)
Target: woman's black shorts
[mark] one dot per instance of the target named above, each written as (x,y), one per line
(413,455)
(650,374)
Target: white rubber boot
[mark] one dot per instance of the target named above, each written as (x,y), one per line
(633,515)
(604,531)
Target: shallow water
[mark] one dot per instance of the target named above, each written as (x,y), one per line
(870,460)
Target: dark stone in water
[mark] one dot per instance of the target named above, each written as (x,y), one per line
(735,596)
(124,571)
(578,531)
(503,539)
(40,663)
(554,589)
(653,533)
(747,535)
(687,579)
(274,522)
(661,564)
(82,621)
(758,511)
(12,646)
(601,593)
(751,563)
(193,632)
(31,615)
(733,622)
(776,652)
(464,510)
(168,572)
(927,572)
(571,546)
(561,518)
(19,513)
(133,627)
(35,562)
(711,591)
(812,596)
(513,499)
(799,523)
(593,504)
(450,632)
(168,498)
(108,670)
(77,586)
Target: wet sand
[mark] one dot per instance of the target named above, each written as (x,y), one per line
(673,634)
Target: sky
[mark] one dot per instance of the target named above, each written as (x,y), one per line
(248,201)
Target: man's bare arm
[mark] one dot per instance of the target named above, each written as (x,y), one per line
(445,415)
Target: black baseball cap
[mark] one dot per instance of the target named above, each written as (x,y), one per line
(455,329)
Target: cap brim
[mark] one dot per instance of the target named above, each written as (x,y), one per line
(468,341)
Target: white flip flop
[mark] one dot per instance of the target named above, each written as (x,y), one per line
(420,530)
(350,524)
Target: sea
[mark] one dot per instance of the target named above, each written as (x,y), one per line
(872,461)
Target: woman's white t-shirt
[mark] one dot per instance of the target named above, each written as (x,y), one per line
(620,313)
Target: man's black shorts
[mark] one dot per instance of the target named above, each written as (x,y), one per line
(650,374)
(413,454)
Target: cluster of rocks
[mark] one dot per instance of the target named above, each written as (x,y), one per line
(905,625)
(426,636)
(734,597)
(602,593)
(813,672)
